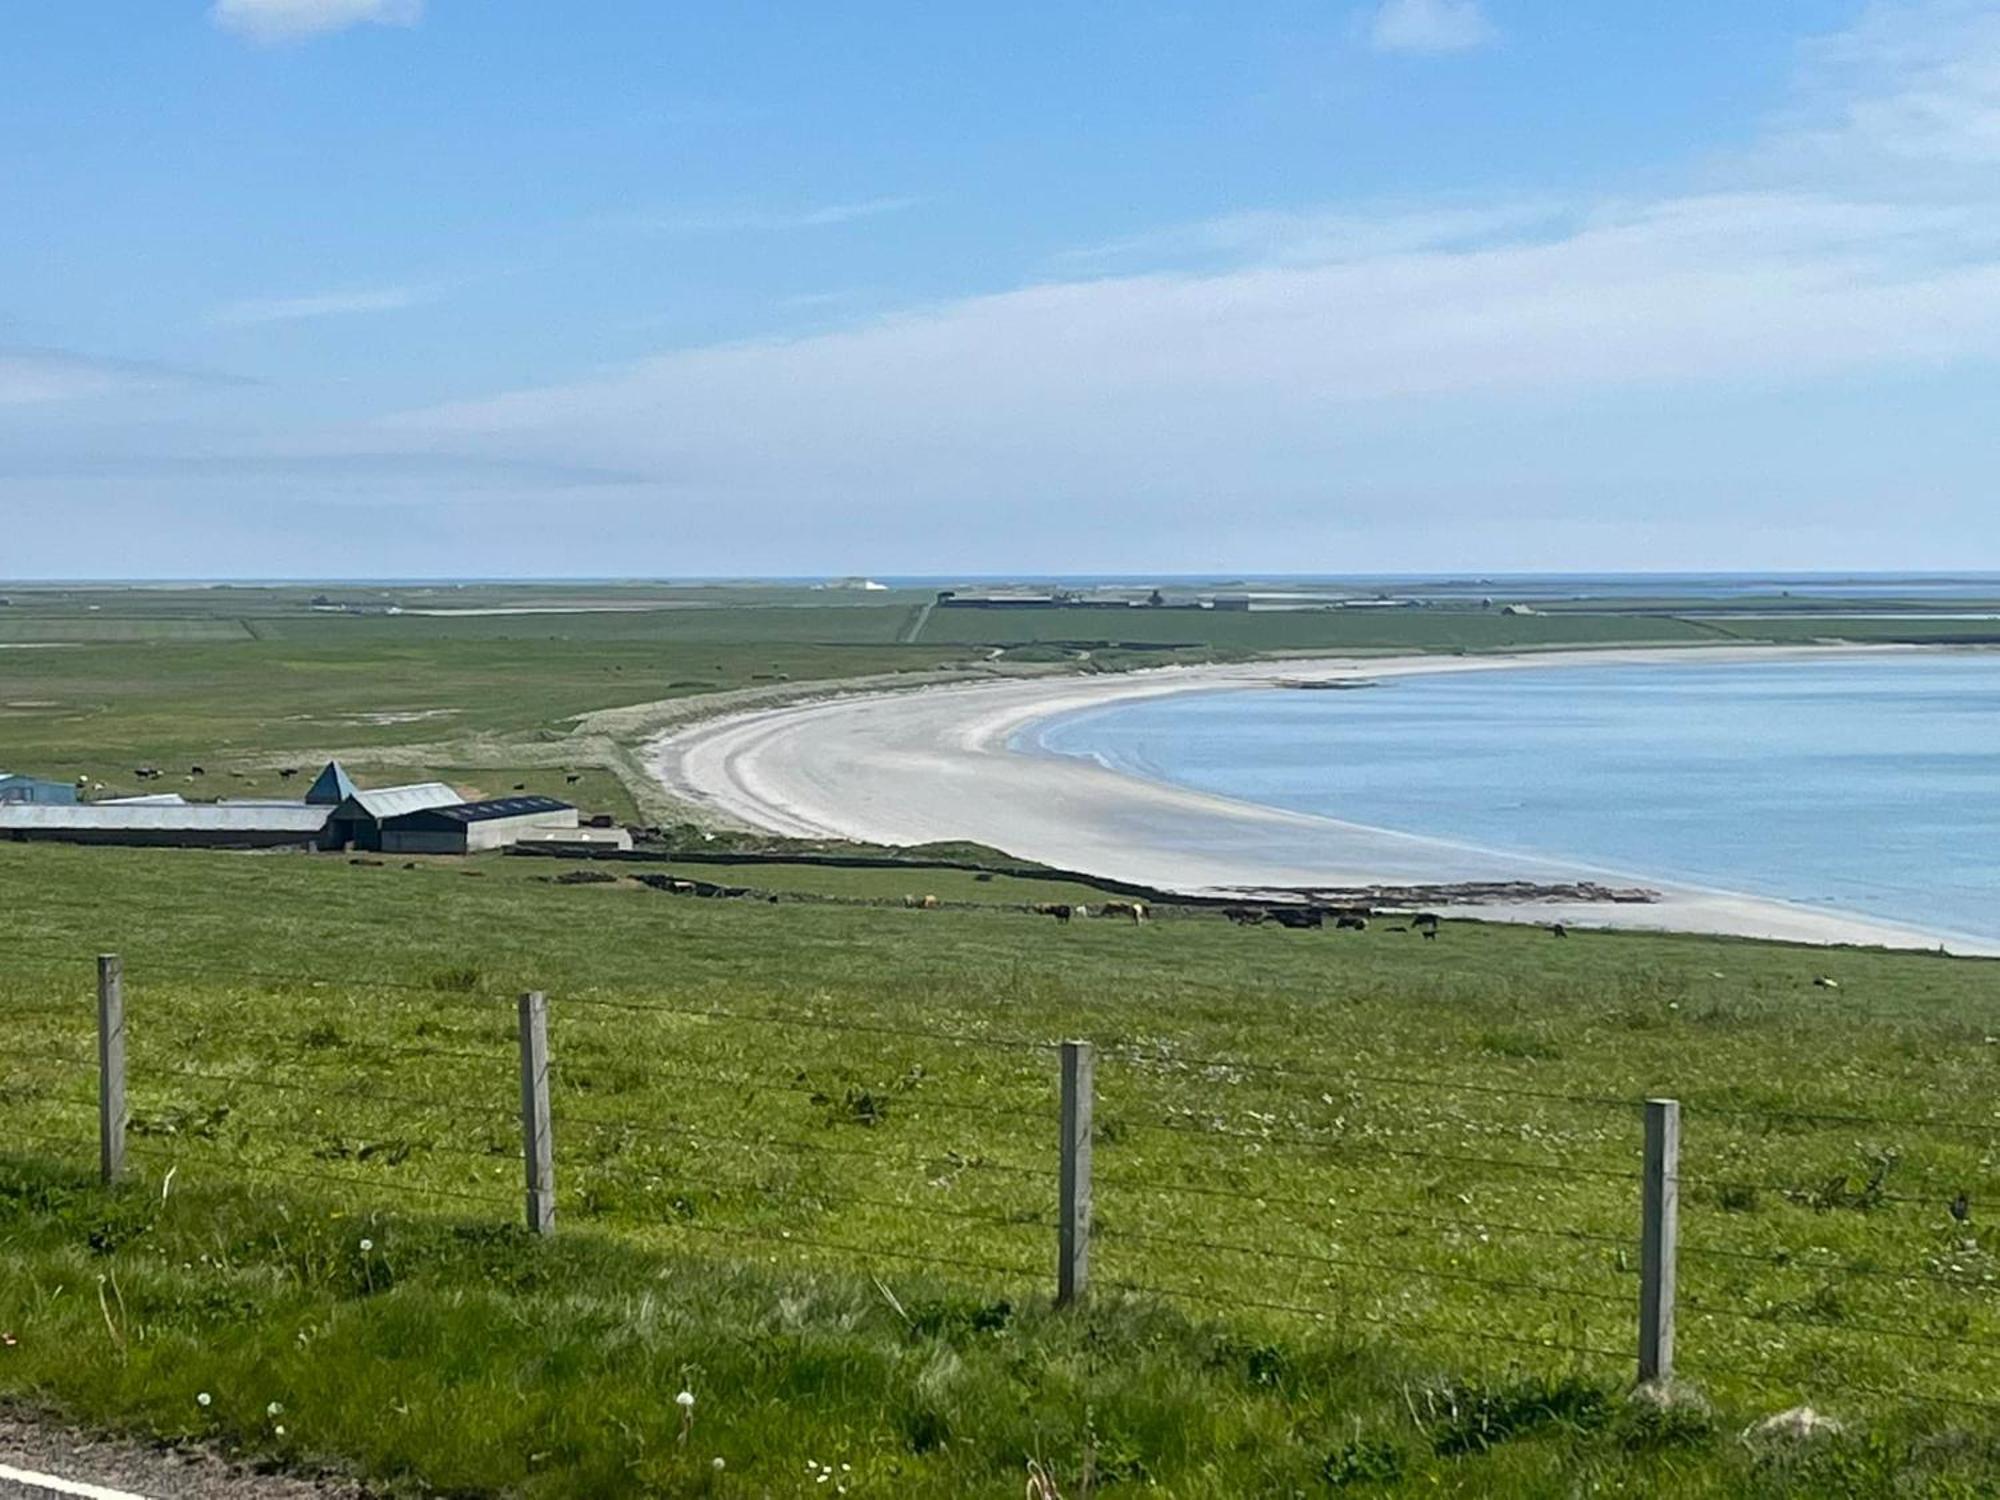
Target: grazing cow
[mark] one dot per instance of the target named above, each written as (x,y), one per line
(1060,910)
(287,773)
(1350,922)
(1425,919)
(1136,910)
(1558,930)
(1298,918)
(572,778)
(520,786)
(1246,916)
(196,771)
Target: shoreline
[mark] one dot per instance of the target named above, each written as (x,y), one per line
(939,763)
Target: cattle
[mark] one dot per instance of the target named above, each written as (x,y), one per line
(1348,921)
(286,773)
(1134,910)
(1246,916)
(1060,910)
(1425,920)
(196,771)
(1558,930)
(146,773)
(1298,918)
(572,779)
(921,903)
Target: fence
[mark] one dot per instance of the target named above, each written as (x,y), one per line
(1260,1189)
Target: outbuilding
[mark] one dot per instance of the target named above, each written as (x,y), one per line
(183,825)
(25,789)
(468,827)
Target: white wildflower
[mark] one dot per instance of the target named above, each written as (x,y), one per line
(203,1399)
(685,1400)
(274,1408)
(717,1462)
(366,1246)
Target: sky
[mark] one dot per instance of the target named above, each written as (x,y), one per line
(422,288)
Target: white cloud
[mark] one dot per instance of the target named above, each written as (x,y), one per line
(293,20)
(1430,26)
(725,221)
(323,305)
(1248,386)
(33,376)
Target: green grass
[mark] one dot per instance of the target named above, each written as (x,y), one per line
(1304,630)
(837,1237)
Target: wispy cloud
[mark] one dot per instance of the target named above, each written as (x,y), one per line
(1322,236)
(737,220)
(295,20)
(1246,384)
(29,376)
(1430,26)
(258,310)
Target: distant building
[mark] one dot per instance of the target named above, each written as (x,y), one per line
(185,825)
(575,840)
(469,827)
(25,789)
(427,817)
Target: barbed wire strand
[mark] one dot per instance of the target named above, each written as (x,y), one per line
(981,1216)
(1388,1268)
(947,1154)
(961,1263)
(151,1149)
(1147,1289)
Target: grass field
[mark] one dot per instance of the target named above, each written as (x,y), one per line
(1379,1193)
(493,685)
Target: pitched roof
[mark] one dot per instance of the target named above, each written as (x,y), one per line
(331,787)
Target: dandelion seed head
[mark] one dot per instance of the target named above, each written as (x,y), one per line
(203,1399)
(685,1400)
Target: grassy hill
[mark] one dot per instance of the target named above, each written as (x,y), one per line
(1366,1204)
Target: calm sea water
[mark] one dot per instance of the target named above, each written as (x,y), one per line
(1867,786)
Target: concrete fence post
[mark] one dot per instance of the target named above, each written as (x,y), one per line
(1659,1238)
(537,1149)
(111,1111)
(1073,1214)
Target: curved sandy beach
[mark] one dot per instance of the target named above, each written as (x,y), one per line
(935,764)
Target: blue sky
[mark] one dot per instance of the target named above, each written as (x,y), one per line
(621,288)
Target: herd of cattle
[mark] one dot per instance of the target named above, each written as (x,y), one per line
(1297,917)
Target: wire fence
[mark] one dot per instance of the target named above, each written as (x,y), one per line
(1779,1258)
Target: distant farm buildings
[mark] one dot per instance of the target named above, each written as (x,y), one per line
(423,818)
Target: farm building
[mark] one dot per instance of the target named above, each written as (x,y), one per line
(360,819)
(575,840)
(468,827)
(183,825)
(426,817)
(20,789)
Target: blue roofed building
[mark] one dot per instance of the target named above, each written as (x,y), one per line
(29,789)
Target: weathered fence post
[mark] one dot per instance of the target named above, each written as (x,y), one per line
(110,1066)
(537,1149)
(1659,1239)
(1073,1216)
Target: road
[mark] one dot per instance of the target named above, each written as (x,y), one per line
(41,1459)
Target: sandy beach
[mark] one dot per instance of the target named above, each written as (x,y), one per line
(935,763)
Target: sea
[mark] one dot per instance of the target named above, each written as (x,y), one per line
(1862,785)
